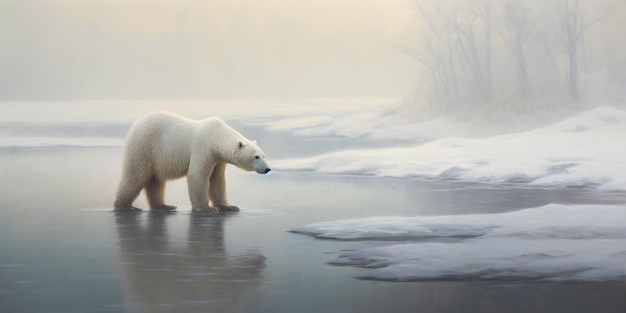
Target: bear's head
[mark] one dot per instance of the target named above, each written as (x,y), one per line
(250,157)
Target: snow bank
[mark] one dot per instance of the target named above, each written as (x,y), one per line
(553,242)
(587,150)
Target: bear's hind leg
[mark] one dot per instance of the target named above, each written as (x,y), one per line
(155,192)
(127,192)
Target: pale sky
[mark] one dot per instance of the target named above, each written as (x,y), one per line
(94,49)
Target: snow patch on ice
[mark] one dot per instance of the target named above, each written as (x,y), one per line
(496,259)
(396,228)
(586,150)
(555,221)
(553,242)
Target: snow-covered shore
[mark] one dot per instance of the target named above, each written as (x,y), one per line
(585,150)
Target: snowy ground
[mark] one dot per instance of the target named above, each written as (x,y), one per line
(586,150)
(553,242)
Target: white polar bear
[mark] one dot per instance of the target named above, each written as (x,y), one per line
(162,146)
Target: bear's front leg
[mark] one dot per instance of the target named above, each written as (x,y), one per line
(197,183)
(217,189)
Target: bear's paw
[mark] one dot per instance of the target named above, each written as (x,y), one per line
(229,208)
(127,209)
(165,207)
(206,210)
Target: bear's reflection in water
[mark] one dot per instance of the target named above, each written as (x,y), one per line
(166,273)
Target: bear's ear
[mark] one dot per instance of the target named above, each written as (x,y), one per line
(254,141)
(240,144)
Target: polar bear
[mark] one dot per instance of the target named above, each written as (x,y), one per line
(163,146)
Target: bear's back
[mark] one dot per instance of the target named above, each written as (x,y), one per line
(163,140)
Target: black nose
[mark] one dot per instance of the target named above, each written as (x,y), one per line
(267,170)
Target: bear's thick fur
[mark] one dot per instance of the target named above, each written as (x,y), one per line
(163,146)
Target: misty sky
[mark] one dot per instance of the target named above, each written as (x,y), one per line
(108,49)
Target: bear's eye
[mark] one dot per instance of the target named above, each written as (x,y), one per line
(257,157)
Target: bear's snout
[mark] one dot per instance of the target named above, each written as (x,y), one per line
(260,166)
(263,170)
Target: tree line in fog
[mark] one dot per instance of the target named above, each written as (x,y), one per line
(477,52)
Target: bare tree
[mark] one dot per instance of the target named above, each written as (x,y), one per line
(435,52)
(468,52)
(455,49)
(515,34)
(483,11)
(571,27)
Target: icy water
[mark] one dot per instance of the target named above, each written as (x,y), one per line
(63,250)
